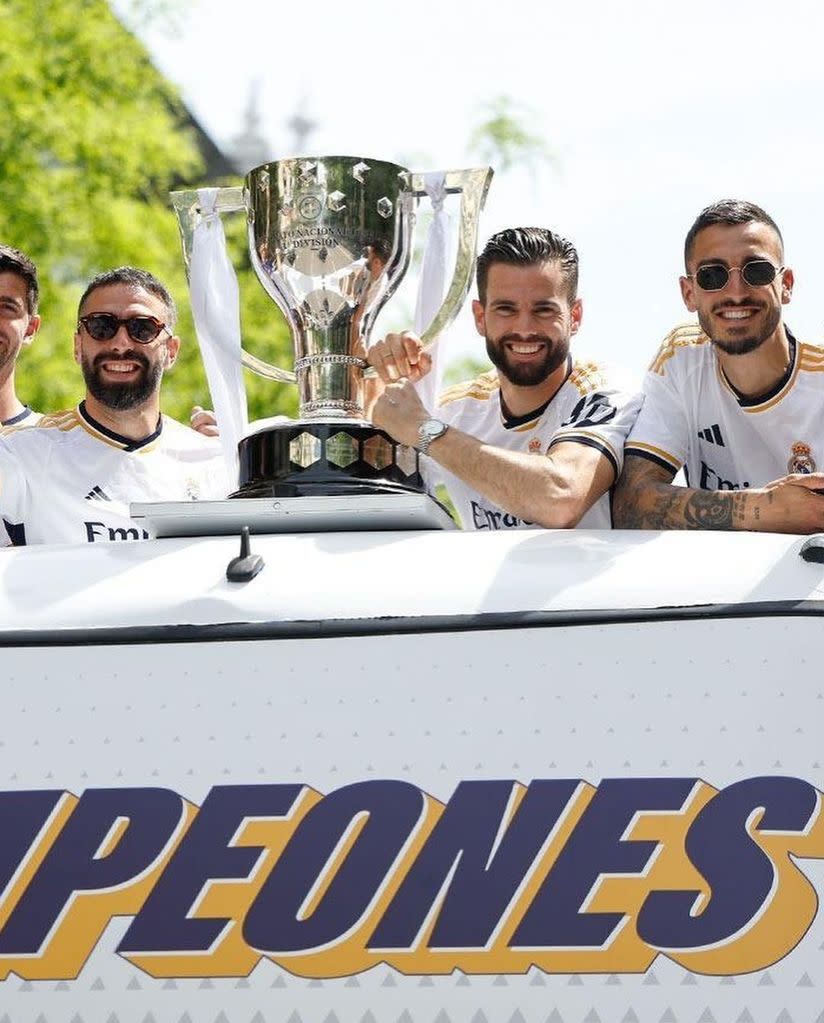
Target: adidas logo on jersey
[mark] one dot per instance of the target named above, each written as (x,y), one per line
(97,494)
(712,434)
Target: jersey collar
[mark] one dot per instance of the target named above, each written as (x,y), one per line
(18,418)
(749,402)
(126,443)
(511,422)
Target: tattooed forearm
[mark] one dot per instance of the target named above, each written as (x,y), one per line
(707,509)
(741,509)
(645,499)
(651,509)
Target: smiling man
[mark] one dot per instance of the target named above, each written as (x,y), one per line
(537,441)
(735,400)
(71,477)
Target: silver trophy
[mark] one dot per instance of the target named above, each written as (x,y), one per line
(330,239)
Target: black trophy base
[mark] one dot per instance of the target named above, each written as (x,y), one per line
(331,459)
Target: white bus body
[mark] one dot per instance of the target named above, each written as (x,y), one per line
(413,776)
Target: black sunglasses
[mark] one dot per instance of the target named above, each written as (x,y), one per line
(104,326)
(756,272)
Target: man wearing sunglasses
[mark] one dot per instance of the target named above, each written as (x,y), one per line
(71,478)
(735,400)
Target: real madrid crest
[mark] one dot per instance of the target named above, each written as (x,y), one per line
(801,459)
(535,446)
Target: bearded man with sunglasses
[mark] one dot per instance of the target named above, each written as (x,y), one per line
(735,400)
(71,477)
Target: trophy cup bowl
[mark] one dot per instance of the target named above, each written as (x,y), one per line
(330,239)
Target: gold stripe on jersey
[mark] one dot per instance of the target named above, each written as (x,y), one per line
(587,377)
(811,357)
(771,402)
(687,335)
(524,427)
(481,388)
(13,428)
(637,445)
(571,433)
(70,419)
(62,421)
(92,432)
(65,420)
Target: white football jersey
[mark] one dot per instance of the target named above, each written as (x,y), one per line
(28,417)
(70,480)
(692,417)
(588,408)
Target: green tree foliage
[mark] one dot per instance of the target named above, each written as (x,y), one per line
(466,368)
(502,138)
(92,138)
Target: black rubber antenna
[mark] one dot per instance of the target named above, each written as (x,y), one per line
(247,565)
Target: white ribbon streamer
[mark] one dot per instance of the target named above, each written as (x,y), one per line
(216,312)
(432,284)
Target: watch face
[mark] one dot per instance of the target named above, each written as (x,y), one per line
(429,430)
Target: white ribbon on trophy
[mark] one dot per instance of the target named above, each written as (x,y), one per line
(433,283)
(216,311)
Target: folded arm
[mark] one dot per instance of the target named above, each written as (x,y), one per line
(553,490)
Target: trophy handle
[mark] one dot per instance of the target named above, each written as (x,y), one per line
(473,185)
(229,200)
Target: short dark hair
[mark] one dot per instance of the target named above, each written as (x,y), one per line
(135,278)
(13,261)
(731,212)
(528,246)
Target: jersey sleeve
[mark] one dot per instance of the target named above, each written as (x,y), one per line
(14,487)
(661,432)
(602,420)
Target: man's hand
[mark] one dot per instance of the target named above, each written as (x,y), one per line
(794,504)
(400,355)
(400,411)
(808,480)
(203,420)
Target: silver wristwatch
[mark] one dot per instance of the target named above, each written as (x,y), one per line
(429,430)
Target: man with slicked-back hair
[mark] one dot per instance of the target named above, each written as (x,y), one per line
(538,440)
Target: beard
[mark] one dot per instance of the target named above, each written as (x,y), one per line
(121,397)
(748,342)
(527,374)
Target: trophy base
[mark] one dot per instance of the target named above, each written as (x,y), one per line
(341,458)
